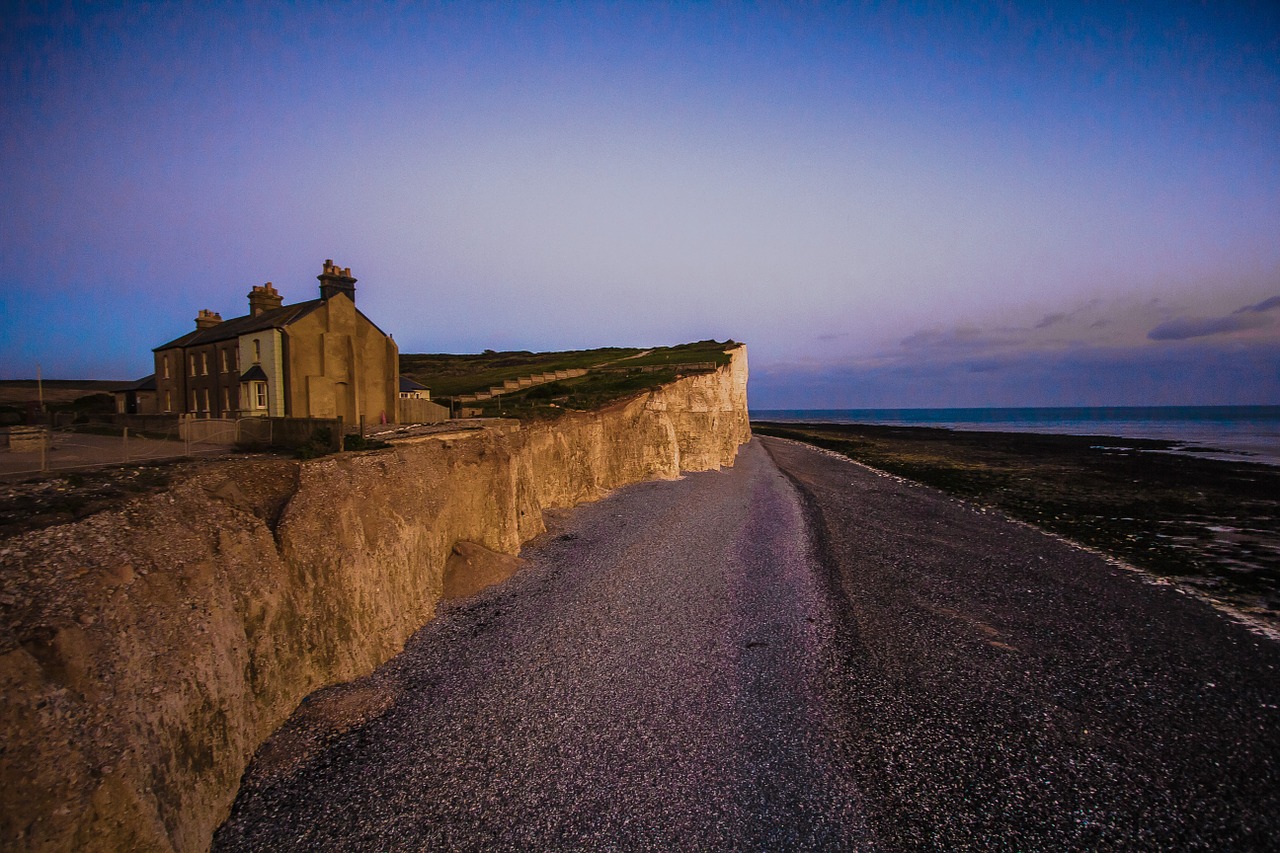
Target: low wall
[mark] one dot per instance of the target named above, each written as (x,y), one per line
(147,650)
(27,439)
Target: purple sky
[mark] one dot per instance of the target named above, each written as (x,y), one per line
(896,205)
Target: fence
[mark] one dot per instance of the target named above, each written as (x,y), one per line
(413,411)
(117,439)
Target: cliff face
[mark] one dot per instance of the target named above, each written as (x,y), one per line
(146,651)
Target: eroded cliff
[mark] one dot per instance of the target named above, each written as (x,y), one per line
(147,650)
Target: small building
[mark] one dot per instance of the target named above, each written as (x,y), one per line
(137,398)
(321,358)
(410,390)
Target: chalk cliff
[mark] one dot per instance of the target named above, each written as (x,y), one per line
(146,651)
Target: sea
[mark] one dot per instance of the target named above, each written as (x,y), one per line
(1234,433)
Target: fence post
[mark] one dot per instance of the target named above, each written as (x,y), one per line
(126,444)
(44,462)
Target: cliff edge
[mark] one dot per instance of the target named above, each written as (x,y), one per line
(146,651)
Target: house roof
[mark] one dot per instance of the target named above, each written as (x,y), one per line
(146,383)
(254,374)
(407,384)
(275,318)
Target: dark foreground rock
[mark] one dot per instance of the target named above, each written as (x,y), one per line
(801,655)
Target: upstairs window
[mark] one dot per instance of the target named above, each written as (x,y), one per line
(257,351)
(204,364)
(166,367)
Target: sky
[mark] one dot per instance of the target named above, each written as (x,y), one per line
(893,205)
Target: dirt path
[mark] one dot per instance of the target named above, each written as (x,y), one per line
(802,655)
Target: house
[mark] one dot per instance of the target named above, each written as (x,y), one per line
(322,359)
(137,398)
(410,390)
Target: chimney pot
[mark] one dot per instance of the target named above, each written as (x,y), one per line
(263,298)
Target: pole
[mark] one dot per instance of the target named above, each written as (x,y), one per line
(126,444)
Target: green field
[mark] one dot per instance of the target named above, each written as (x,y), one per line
(615,372)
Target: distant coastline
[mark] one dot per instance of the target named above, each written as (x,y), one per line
(1233,433)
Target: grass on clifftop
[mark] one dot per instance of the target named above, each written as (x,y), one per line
(614,373)
(1210,524)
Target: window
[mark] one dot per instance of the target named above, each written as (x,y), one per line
(260,394)
(192,407)
(168,395)
(257,350)
(204,364)
(166,367)
(225,365)
(226,400)
(205,408)
(193,369)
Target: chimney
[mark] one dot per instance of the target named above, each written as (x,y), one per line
(335,280)
(264,298)
(207,319)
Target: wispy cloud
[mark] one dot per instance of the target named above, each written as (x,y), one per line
(1241,320)
(1140,351)
(1264,305)
(1215,372)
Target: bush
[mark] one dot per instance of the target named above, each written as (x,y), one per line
(320,444)
(359,442)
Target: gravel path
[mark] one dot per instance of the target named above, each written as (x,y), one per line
(818,659)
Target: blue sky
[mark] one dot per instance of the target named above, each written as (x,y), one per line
(892,204)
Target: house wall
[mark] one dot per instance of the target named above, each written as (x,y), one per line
(272,359)
(342,366)
(171,390)
(227,365)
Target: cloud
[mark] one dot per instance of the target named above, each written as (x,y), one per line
(1264,305)
(1050,320)
(833,336)
(1240,320)
(1201,373)
(1182,328)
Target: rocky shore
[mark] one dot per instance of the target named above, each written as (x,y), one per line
(1212,527)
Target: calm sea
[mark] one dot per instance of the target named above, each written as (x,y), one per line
(1250,433)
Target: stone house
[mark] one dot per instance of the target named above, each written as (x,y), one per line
(322,358)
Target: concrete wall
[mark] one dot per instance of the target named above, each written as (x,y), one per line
(147,650)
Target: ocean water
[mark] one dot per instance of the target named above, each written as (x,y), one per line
(1239,433)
